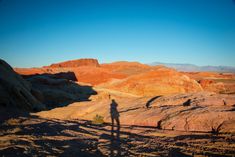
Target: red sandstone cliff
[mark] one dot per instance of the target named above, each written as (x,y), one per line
(76,63)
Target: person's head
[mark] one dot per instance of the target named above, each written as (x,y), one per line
(113,104)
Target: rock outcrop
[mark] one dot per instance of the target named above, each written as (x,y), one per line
(212,86)
(127,68)
(15,92)
(39,91)
(85,74)
(55,91)
(95,75)
(159,81)
(76,63)
(203,112)
(215,82)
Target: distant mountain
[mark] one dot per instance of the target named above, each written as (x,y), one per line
(192,67)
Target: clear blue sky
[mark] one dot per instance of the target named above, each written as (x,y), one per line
(40,32)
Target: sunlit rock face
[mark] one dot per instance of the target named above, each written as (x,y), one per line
(214,81)
(76,63)
(157,81)
(212,86)
(200,111)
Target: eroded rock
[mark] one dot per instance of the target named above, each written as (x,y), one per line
(15,92)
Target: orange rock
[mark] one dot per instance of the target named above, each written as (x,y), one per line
(76,63)
(215,82)
(95,75)
(159,81)
(29,71)
(127,68)
(212,86)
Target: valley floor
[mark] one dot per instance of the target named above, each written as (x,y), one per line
(35,136)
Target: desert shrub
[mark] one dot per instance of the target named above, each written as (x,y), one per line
(98,119)
(13,121)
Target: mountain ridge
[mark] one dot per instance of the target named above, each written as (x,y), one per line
(193,68)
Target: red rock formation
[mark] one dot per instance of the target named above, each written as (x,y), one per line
(29,71)
(89,71)
(95,75)
(76,63)
(215,82)
(212,86)
(159,81)
(86,74)
(209,75)
(127,68)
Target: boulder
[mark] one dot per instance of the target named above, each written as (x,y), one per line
(15,92)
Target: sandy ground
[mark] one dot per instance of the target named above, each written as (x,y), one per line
(36,136)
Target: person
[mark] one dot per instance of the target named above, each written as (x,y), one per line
(115,116)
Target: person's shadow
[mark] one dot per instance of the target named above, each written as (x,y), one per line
(115,141)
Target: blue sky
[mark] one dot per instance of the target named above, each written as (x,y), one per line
(40,32)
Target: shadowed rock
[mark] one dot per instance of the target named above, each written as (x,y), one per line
(55,91)
(15,93)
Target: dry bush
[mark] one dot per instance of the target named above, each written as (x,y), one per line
(13,121)
(98,119)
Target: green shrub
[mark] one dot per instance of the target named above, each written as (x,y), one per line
(98,119)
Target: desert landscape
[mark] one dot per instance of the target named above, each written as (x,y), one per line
(117,78)
(84,108)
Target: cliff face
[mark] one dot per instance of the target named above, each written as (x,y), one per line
(76,63)
(15,92)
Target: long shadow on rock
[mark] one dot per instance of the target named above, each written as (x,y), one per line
(150,101)
(58,89)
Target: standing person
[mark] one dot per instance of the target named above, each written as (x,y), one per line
(115,116)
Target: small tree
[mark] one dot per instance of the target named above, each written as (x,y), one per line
(98,119)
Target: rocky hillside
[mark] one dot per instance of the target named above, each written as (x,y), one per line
(158,81)
(15,92)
